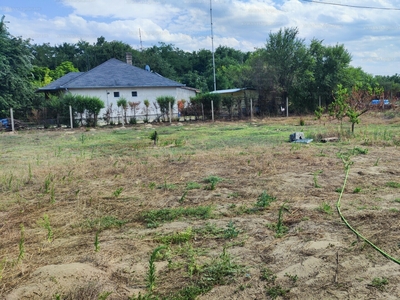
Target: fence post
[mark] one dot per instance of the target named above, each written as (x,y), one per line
(70,117)
(170,112)
(287,106)
(212,110)
(251,110)
(12,119)
(202,111)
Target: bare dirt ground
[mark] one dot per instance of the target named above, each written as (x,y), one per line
(317,258)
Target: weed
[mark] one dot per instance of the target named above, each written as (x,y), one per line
(397,200)
(280,228)
(302,122)
(357,150)
(21,244)
(45,223)
(209,230)
(96,242)
(357,190)
(47,182)
(221,271)
(326,208)
(292,278)
(152,185)
(231,231)
(264,200)
(212,180)
(276,291)
(154,217)
(182,199)
(117,192)
(193,186)
(380,283)
(267,275)
(177,238)
(154,137)
(376,162)
(151,274)
(167,186)
(316,185)
(393,184)
(103,295)
(192,267)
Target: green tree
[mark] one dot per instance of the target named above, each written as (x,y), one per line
(329,68)
(288,59)
(123,103)
(93,105)
(163,103)
(64,68)
(352,103)
(16,89)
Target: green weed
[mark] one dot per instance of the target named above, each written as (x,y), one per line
(118,192)
(264,200)
(276,291)
(154,217)
(151,274)
(231,231)
(380,283)
(267,275)
(212,180)
(357,190)
(177,238)
(45,223)
(393,184)
(326,208)
(220,271)
(358,150)
(193,186)
(182,199)
(316,185)
(292,278)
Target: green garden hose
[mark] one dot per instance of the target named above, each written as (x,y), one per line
(347,167)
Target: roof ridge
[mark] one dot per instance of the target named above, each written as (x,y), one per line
(72,79)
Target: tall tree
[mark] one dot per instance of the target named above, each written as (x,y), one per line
(16,89)
(289,59)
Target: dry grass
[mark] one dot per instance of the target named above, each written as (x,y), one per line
(85,176)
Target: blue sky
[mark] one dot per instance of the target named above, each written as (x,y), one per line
(372,36)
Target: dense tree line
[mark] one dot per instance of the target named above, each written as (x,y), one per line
(306,72)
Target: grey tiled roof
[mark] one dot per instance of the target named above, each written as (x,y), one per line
(111,74)
(57,84)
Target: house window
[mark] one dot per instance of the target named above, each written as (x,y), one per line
(116,94)
(134,94)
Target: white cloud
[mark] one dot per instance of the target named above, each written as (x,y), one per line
(371,36)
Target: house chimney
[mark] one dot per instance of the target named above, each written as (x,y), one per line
(129,58)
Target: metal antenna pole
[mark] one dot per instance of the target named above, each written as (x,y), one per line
(140,38)
(212,48)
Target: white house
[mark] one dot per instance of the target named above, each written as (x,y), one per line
(114,79)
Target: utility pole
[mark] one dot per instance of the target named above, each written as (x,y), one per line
(140,38)
(212,47)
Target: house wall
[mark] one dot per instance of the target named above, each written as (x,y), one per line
(107,95)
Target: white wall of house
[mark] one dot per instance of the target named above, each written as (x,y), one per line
(110,97)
